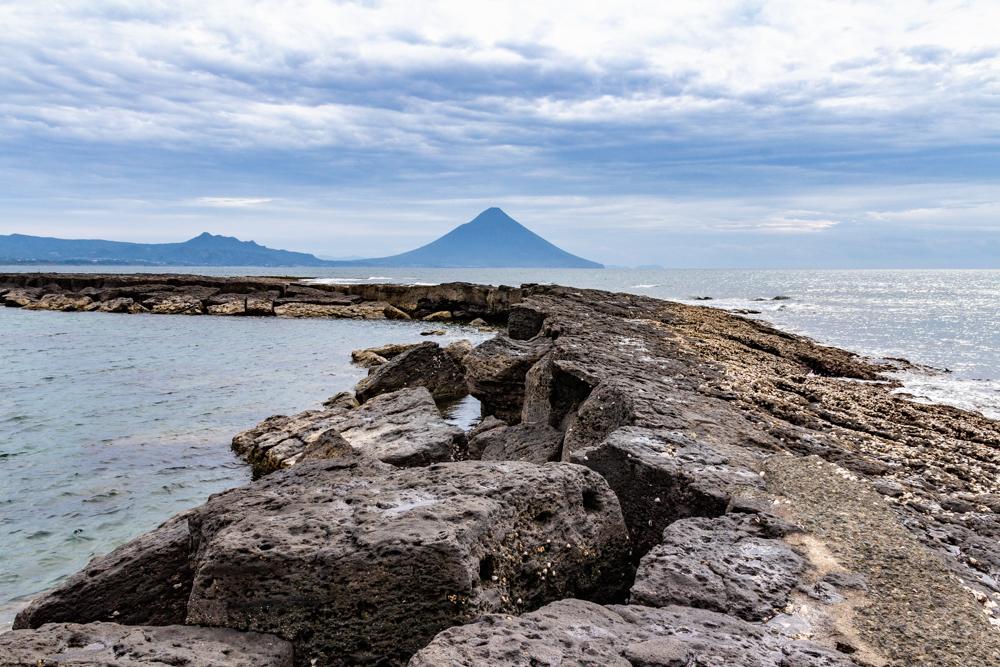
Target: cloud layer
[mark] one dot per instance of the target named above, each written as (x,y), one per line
(357,128)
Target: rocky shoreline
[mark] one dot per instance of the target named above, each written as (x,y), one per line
(651,484)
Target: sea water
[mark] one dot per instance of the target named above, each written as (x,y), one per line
(109,424)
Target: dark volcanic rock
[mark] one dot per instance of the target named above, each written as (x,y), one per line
(736,564)
(143,582)
(113,645)
(425,365)
(524,323)
(537,443)
(403,428)
(662,477)
(496,370)
(356,566)
(573,632)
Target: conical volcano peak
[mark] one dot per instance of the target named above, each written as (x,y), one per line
(491,239)
(494,215)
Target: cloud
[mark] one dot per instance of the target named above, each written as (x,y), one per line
(232,202)
(783,120)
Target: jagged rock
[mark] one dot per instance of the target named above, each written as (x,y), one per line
(735,564)
(146,581)
(367,358)
(392,313)
(260,305)
(110,644)
(574,632)
(175,305)
(661,477)
(496,370)
(524,323)
(402,428)
(480,323)
(459,350)
(439,316)
(227,304)
(537,443)
(59,302)
(362,567)
(390,350)
(300,294)
(121,305)
(19,298)
(425,365)
(433,332)
(360,311)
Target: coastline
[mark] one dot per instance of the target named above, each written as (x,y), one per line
(722,418)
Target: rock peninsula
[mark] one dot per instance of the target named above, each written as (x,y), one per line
(650,484)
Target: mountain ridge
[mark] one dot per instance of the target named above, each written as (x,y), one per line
(491,240)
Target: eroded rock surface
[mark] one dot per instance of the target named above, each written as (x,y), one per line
(113,645)
(573,632)
(403,428)
(735,564)
(424,365)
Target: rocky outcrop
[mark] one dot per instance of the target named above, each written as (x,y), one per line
(424,365)
(496,371)
(74,645)
(404,428)
(356,562)
(181,294)
(537,443)
(573,632)
(61,302)
(361,566)
(771,490)
(661,477)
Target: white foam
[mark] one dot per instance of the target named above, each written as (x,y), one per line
(982,396)
(333,281)
(645,286)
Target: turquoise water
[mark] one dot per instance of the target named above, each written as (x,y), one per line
(109,424)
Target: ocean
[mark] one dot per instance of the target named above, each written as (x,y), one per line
(112,423)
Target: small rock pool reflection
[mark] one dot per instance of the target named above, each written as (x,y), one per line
(110,424)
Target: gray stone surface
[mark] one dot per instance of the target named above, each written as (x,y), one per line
(573,632)
(537,443)
(113,645)
(496,370)
(402,428)
(736,564)
(661,477)
(356,566)
(425,365)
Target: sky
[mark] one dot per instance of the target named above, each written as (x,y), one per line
(685,134)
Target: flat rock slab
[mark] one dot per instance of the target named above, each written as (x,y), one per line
(113,645)
(736,564)
(424,365)
(356,566)
(573,632)
(402,428)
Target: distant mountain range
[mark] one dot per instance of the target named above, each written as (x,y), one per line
(492,239)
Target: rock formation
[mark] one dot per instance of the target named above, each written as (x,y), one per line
(404,428)
(690,488)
